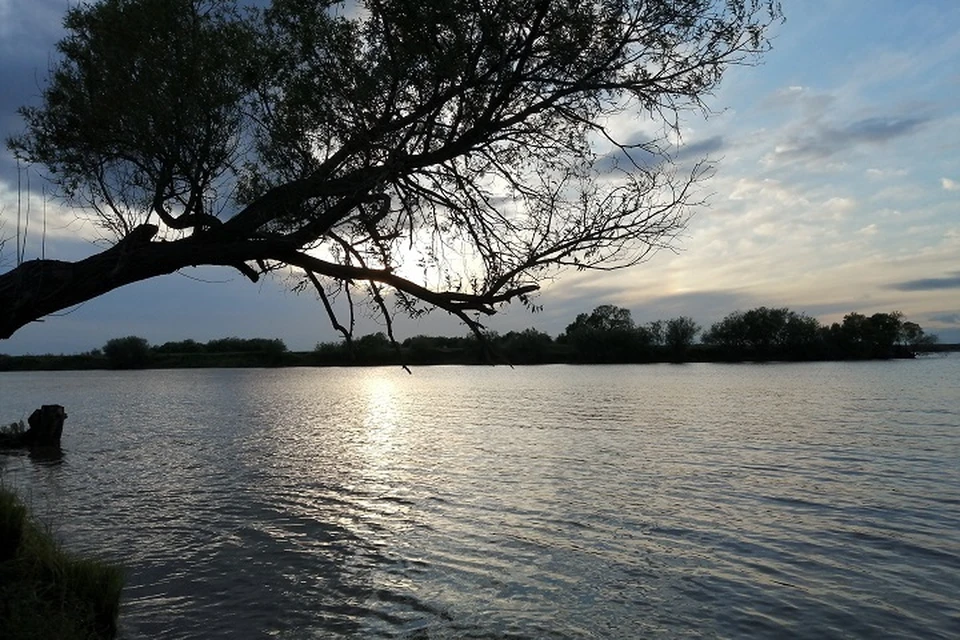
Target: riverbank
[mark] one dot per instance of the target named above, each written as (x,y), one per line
(465,355)
(46,592)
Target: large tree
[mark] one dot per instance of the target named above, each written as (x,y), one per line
(478,140)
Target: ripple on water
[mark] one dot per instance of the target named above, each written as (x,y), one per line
(784,501)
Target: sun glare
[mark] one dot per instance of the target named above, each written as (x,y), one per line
(381,417)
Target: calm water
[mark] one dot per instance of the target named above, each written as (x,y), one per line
(713,501)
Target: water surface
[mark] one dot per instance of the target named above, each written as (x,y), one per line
(703,501)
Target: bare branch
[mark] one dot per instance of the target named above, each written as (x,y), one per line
(470,136)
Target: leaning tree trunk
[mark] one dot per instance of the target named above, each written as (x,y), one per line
(36,288)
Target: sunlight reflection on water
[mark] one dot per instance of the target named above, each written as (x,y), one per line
(803,501)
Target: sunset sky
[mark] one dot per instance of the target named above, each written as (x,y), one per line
(837,189)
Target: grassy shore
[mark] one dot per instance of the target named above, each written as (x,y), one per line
(46,592)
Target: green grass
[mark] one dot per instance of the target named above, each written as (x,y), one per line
(46,592)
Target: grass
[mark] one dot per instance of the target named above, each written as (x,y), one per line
(46,592)
(12,435)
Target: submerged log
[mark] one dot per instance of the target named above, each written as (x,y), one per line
(46,427)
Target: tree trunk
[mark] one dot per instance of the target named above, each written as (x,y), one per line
(40,287)
(46,426)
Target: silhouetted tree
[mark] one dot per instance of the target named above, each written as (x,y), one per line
(183,346)
(292,136)
(852,336)
(656,332)
(913,335)
(766,333)
(800,337)
(246,345)
(605,318)
(526,347)
(440,349)
(333,352)
(885,329)
(131,352)
(876,336)
(607,334)
(679,335)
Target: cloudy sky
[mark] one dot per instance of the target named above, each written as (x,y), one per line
(837,189)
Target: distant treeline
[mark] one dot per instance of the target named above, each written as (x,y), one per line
(133,352)
(606,335)
(609,335)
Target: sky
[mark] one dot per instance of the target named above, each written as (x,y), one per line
(836,190)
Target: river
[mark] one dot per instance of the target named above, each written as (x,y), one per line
(816,500)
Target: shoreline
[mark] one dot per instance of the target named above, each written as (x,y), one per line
(86,362)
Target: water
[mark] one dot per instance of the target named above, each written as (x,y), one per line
(695,501)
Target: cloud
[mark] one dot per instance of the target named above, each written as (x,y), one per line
(929,284)
(839,206)
(705,307)
(796,96)
(646,157)
(949,185)
(817,140)
(881,129)
(561,306)
(626,159)
(884,174)
(697,150)
(947,318)
(28,33)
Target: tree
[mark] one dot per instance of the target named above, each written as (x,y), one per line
(131,352)
(886,329)
(729,333)
(679,334)
(607,334)
(913,335)
(766,333)
(656,332)
(184,346)
(529,346)
(273,346)
(870,337)
(470,135)
(605,318)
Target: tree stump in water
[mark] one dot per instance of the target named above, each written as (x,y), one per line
(46,426)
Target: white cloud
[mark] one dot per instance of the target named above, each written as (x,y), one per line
(884,174)
(839,206)
(949,185)
(40,220)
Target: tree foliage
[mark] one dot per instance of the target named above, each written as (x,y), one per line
(607,334)
(423,153)
(880,335)
(766,333)
(131,352)
(913,335)
(246,345)
(679,334)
